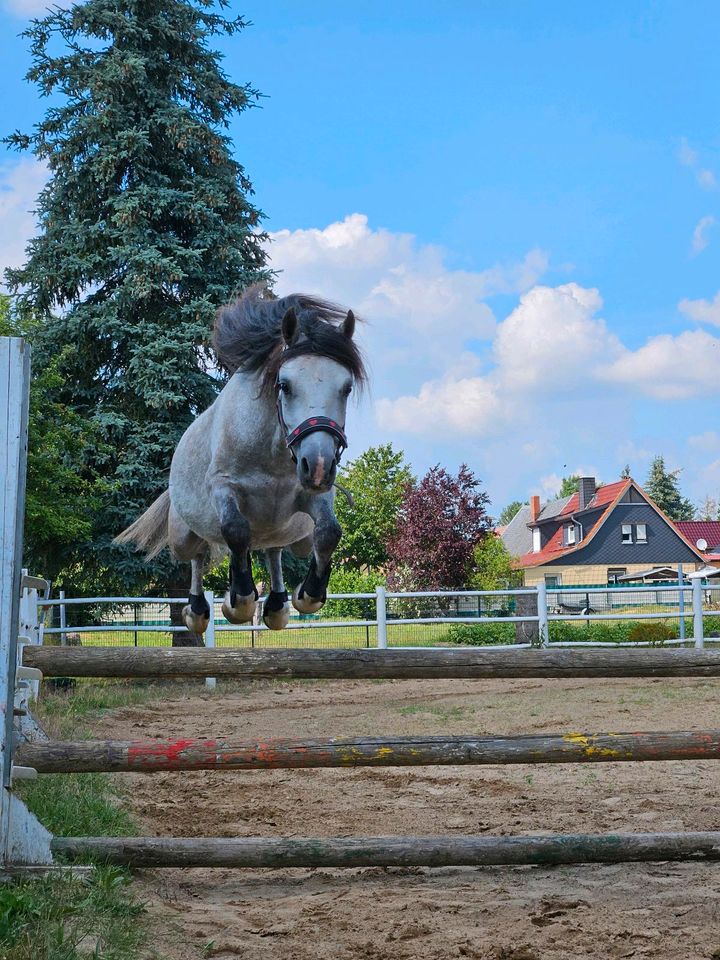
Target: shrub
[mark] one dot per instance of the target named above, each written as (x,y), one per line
(651,632)
(345,580)
(480,634)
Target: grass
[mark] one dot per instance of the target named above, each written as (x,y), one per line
(64,916)
(444,713)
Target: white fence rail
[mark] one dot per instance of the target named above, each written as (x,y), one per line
(392,618)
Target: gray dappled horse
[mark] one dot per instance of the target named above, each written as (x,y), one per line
(256,470)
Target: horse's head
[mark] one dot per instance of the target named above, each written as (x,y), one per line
(312,394)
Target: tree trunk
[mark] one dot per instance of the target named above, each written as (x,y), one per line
(527,606)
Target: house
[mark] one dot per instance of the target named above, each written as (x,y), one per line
(705,534)
(599,535)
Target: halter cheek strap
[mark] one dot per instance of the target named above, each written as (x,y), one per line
(311,425)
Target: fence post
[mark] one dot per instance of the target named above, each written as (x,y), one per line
(542,610)
(681,600)
(697,613)
(381,616)
(63,621)
(210,682)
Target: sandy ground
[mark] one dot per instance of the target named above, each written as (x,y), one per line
(614,911)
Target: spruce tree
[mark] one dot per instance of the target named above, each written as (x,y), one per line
(662,486)
(145,227)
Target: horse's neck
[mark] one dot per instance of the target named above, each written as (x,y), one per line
(249,420)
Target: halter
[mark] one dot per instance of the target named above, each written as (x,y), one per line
(311,425)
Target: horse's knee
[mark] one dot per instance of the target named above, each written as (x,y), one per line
(327,535)
(236,532)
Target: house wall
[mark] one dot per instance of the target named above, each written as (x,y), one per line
(591,574)
(664,545)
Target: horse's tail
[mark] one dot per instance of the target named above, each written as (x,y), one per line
(150,531)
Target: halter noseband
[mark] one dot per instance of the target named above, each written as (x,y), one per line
(311,425)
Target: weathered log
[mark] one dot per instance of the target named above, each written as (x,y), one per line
(149,756)
(391,851)
(376,664)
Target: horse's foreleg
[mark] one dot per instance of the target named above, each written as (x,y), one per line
(310,596)
(240,599)
(276,611)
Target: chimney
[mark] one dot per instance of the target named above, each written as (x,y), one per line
(534,508)
(586,489)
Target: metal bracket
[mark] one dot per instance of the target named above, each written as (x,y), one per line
(28,673)
(22,773)
(34,583)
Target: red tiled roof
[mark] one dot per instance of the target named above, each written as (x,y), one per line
(694,530)
(604,498)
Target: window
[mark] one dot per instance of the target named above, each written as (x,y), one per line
(640,533)
(552,581)
(570,534)
(614,574)
(537,544)
(627,536)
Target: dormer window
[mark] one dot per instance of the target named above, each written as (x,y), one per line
(570,534)
(537,540)
(627,533)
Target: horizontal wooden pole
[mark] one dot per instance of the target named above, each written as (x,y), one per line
(391,851)
(119,755)
(366,664)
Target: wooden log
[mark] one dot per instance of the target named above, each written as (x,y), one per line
(272,754)
(390,851)
(479,664)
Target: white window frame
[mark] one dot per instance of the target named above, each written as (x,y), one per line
(536,540)
(638,537)
(570,534)
(626,532)
(617,572)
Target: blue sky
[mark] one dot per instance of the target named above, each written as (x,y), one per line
(523,200)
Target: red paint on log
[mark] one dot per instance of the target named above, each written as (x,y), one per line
(169,755)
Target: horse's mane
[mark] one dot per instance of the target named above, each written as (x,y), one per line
(247,334)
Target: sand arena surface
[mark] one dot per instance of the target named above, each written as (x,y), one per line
(499,913)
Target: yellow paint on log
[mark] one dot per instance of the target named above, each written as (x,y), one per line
(589,748)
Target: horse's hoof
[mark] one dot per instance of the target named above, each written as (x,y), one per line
(242,612)
(195,622)
(306,604)
(277,619)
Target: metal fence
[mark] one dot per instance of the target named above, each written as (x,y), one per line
(666,613)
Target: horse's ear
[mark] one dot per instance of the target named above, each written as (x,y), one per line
(348,327)
(290,327)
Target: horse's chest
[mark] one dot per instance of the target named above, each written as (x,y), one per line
(271,511)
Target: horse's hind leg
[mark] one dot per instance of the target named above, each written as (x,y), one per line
(187,545)
(276,611)
(241,598)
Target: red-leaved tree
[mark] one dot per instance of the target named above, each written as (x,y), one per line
(441,520)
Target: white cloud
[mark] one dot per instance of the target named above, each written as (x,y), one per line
(705,311)
(34,8)
(689,157)
(706,442)
(20,185)
(417,306)
(470,405)
(668,367)
(700,237)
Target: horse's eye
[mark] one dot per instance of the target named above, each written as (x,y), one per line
(284,387)
(346,390)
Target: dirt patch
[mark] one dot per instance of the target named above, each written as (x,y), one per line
(615,911)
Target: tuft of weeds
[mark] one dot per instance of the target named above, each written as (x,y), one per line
(443,712)
(66,917)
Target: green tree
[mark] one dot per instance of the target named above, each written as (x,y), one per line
(708,509)
(663,486)
(145,228)
(492,565)
(569,485)
(377,481)
(63,490)
(509,512)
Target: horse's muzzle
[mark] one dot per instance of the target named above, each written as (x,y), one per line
(317,462)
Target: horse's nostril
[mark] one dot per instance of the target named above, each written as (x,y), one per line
(305,467)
